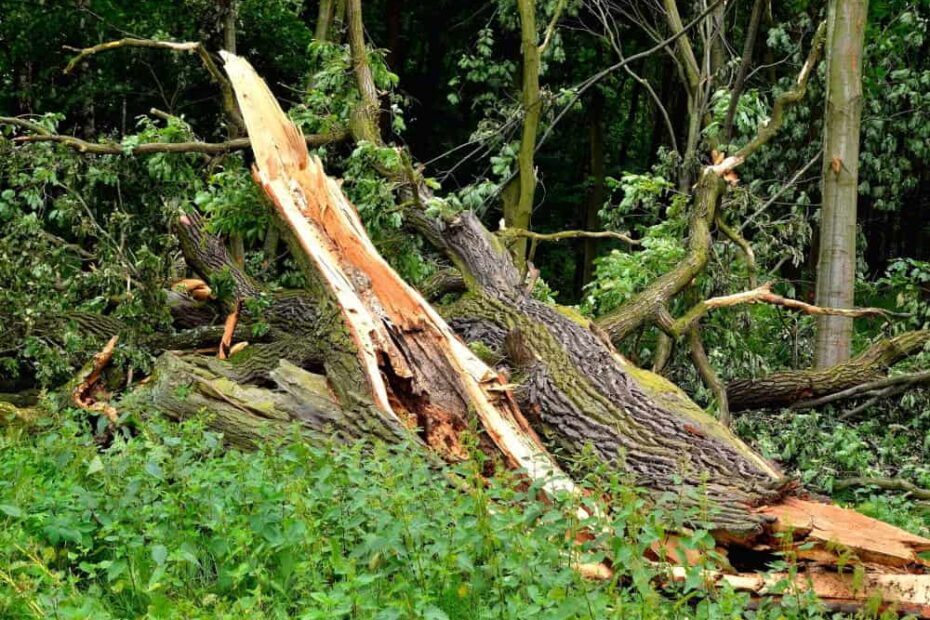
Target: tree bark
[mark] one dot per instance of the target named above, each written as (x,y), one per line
(518,210)
(782,389)
(836,265)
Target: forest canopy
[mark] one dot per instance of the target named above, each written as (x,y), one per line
(414,296)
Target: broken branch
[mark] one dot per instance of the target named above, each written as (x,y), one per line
(229,100)
(81,395)
(770,127)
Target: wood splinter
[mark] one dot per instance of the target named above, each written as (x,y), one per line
(226,349)
(82,395)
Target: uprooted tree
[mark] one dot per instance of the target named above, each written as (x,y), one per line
(359,353)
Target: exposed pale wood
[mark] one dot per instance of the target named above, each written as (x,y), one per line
(229,328)
(400,339)
(835,529)
(81,395)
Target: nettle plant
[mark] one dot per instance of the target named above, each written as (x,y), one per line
(175,524)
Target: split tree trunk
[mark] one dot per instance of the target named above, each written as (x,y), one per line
(400,372)
(836,266)
(399,359)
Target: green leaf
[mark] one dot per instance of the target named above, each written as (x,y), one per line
(11,511)
(95,466)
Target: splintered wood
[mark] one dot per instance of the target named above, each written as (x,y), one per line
(414,365)
(82,395)
(421,375)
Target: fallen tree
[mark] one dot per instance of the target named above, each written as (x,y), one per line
(803,388)
(389,366)
(360,354)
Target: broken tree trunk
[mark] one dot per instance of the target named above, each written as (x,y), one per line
(407,363)
(394,368)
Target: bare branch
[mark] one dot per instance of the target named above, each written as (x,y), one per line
(116,148)
(876,389)
(886,484)
(566,234)
(229,99)
(550,29)
(768,129)
(762,294)
(750,257)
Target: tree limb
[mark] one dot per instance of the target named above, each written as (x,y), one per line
(866,389)
(769,128)
(886,484)
(229,99)
(116,148)
(550,29)
(566,234)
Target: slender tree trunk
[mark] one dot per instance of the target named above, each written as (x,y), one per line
(518,213)
(324,20)
(836,266)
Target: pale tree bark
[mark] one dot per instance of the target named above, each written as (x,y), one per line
(836,266)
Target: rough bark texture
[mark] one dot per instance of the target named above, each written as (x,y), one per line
(836,265)
(781,389)
(183,386)
(579,392)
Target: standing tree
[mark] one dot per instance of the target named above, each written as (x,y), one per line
(836,266)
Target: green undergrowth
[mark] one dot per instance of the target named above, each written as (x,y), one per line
(822,449)
(172,523)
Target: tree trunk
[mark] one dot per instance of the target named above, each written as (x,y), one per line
(596,192)
(394,371)
(572,383)
(836,266)
(518,211)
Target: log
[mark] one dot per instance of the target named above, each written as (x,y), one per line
(186,385)
(784,388)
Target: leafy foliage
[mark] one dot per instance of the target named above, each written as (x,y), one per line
(172,524)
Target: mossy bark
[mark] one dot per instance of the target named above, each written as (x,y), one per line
(782,389)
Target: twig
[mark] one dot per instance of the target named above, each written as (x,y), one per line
(863,389)
(750,257)
(886,484)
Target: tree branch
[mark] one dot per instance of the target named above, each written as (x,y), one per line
(872,388)
(886,484)
(229,99)
(750,257)
(117,148)
(768,129)
(762,294)
(566,234)
(550,29)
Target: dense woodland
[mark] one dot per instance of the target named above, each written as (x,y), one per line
(513,308)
